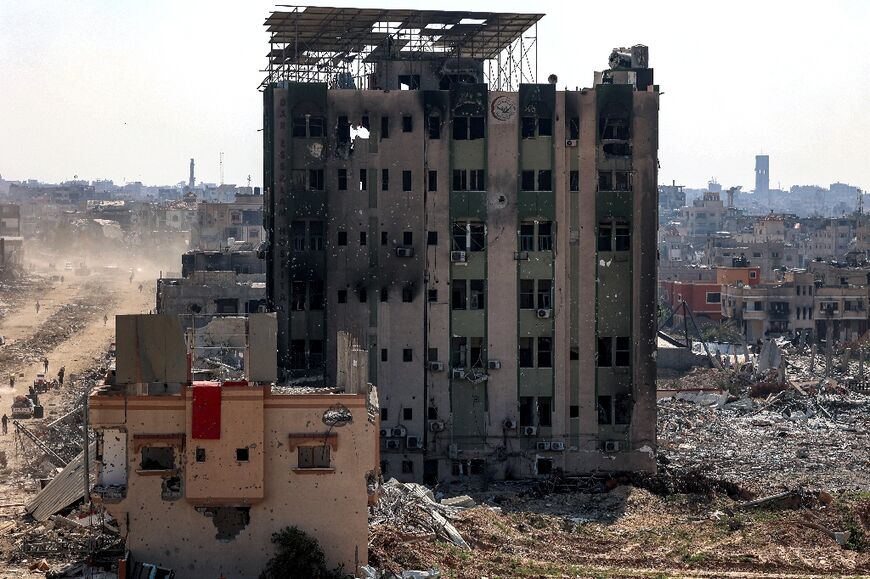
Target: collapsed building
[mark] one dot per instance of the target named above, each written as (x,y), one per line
(490,239)
(200,473)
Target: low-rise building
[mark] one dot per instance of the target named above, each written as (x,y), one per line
(211,292)
(199,475)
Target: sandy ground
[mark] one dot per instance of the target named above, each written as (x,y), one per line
(77,354)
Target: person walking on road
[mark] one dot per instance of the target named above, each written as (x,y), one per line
(60,374)
(45,365)
(140,288)
(105,319)
(5,421)
(12,380)
(37,306)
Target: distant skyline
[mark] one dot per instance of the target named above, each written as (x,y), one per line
(132,91)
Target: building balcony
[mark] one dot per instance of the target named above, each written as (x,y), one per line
(754,315)
(779,315)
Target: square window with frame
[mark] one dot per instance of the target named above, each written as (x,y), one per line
(313,456)
(243,454)
(407,355)
(157,458)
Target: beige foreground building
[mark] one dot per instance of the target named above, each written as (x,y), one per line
(200,474)
(489,238)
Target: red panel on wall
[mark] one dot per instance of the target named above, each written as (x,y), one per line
(206,411)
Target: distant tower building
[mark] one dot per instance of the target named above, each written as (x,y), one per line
(762,173)
(192,180)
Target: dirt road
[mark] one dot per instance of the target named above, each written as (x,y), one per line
(69,331)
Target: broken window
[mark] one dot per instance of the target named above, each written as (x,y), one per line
(363,295)
(622,406)
(622,354)
(605,239)
(297,296)
(363,180)
(385,356)
(409,82)
(614,122)
(527,354)
(315,354)
(527,236)
(170,488)
(342,296)
(537,127)
(385,294)
(460,237)
(528,127)
(434,126)
(545,352)
(476,180)
(407,238)
(432,295)
(431,238)
(605,412)
(460,180)
(315,232)
(308,126)
(545,236)
(433,181)
(432,355)
(200,454)
(229,521)
(527,294)
(468,128)
(574,411)
(297,354)
(544,466)
(527,181)
(458,294)
(313,456)
(623,237)
(406,181)
(407,414)
(458,352)
(477,237)
(605,180)
(242,454)
(545,411)
(475,128)
(622,180)
(384,411)
(315,295)
(343,130)
(157,458)
(407,124)
(407,466)
(526,411)
(363,238)
(460,128)
(384,237)
(574,181)
(545,293)
(342,179)
(297,234)
(408,293)
(574,128)
(407,355)
(385,179)
(477,293)
(545,180)
(605,352)
(342,237)
(475,351)
(385,127)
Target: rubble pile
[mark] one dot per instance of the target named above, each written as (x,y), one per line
(412,509)
(68,320)
(790,439)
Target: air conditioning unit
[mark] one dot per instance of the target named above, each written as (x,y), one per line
(558,446)
(436,366)
(436,425)
(530,430)
(509,424)
(458,257)
(544,313)
(393,444)
(453,451)
(413,442)
(611,446)
(543,446)
(521,255)
(385,432)
(458,373)
(571,143)
(493,364)
(398,431)
(405,251)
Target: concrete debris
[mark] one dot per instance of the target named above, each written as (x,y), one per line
(463,501)
(818,440)
(410,509)
(369,572)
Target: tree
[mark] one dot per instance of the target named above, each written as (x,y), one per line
(298,555)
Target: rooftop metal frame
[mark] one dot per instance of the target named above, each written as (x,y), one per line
(321,44)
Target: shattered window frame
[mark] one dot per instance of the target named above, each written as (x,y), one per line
(313,456)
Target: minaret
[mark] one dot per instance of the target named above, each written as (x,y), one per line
(192,180)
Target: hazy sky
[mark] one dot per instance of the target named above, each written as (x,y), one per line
(132,90)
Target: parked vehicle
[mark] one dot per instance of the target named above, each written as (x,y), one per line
(22,407)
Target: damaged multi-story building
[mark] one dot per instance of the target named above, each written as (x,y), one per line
(490,239)
(200,473)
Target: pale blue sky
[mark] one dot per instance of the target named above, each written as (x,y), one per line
(131,90)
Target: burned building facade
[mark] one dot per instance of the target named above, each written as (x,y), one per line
(490,240)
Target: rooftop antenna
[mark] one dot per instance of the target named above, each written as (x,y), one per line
(249,181)
(222,167)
